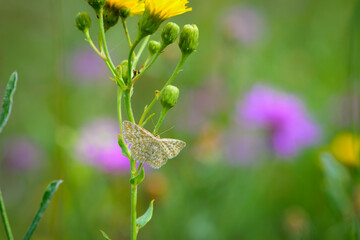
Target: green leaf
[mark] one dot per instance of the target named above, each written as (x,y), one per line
(124,149)
(49,193)
(104,235)
(337,180)
(144,219)
(138,178)
(7,100)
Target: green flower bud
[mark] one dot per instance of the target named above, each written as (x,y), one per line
(96,4)
(124,12)
(170,33)
(111,16)
(189,39)
(123,70)
(169,97)
(153,47)
(83,22)
(149,23)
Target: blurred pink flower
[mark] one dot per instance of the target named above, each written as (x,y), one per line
(21,153)
(243,23)
(289,125)
(97,146)
(87,66)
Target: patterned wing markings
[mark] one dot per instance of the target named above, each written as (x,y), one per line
(172,146)
(152,153)
(134,133)
(149,149)
(140,152)
(158,157)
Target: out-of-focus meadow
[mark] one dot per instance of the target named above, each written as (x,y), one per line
(268,106)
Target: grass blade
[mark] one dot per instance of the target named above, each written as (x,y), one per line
(49,193)
(5,218)
(7,100)
(105,235)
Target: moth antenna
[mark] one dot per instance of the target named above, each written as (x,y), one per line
(166,130)
(152,120)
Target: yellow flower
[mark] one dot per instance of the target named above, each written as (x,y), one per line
(136,6)
(346,148)
(165,9)
(157,11)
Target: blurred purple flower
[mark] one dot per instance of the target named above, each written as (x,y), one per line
(86,65)
(21,153)
(243,23)
(285,117)
(97,146)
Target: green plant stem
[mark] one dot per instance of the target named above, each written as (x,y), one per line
(89,40)
(142,47)
(5,218)
(133,202)
(148,118)
(148,66)
(119,99)
(128,105)
(101,54)
(123,22)
(132,164)
(130,63)
(157,96)
(103,41)
(161,119)
(139,168)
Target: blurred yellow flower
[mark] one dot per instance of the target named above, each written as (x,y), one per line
(346,148)
(157,11)
(136,7)
(165,9)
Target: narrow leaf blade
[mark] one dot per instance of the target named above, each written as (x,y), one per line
(48,195)
(337,179)
(7,100)
(144,219)
(105,235)
(138,178)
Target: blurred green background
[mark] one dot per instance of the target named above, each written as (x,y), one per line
(231,181)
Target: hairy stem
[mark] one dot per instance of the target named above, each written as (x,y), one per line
(161,119)
(130,62)
(133,202)
(123,22)
(148,66)
(89,40)
(128,105)
(103,41)
(132,165)
(175,73)
(142,47)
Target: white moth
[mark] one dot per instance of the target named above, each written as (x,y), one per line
(147,148)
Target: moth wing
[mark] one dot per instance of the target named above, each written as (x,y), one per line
(141,151)
(135,134)
(172,147)
(158,157)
